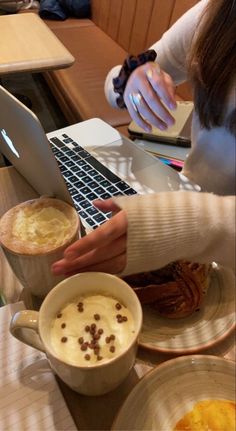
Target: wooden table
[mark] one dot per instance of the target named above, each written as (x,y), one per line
(27,44)
(89,413)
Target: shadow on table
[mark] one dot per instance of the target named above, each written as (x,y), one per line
(97,413)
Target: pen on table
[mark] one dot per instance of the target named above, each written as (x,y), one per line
(178,164)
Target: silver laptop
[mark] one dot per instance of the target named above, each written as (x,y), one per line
(79,163)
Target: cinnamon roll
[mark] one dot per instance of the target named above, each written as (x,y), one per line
(176,290)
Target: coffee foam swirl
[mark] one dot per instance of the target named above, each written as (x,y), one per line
(41,226)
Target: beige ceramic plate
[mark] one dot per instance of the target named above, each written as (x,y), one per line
(203,329)
(166,393)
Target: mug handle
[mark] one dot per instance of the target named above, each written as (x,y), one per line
(24,327)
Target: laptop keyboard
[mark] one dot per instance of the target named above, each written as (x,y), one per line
(87,179)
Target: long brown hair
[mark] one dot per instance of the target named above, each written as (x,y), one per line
(212,64)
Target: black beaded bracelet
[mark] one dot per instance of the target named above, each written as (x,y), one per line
(130,64)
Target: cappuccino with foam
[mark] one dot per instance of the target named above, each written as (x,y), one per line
(33,235)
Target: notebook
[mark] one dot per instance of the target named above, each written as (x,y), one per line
(30,398)
(172,155)
(179,134)
(79,163)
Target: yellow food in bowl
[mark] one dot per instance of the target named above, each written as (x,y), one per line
(209,415)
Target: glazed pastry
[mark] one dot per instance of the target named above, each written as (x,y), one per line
(176,290)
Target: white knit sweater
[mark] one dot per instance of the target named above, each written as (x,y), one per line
(190,225)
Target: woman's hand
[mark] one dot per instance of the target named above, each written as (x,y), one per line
(148,95)
(101,250)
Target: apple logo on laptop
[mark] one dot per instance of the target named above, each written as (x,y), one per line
(9,143)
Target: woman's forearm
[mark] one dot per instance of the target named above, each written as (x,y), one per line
(168,226)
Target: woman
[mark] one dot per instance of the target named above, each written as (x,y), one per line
(147,232)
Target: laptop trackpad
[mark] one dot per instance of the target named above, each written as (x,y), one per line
(144,172)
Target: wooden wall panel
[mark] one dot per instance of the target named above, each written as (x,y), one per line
(126,23)
(180,7)
(160,20)
(104,8)
(114,18)
(141,25)
(95,10)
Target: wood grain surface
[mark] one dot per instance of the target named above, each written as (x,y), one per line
(28,44)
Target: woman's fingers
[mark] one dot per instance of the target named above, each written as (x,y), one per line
(103,235)
(148,94)
(153,109)
(162,84)
(106,205)
(95,257)
(133,110)
(108,240)
(149,108)
(112,266)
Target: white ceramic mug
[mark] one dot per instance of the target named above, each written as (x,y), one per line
(32,263)
(94,379)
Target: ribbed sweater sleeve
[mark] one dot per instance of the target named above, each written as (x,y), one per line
(168,226)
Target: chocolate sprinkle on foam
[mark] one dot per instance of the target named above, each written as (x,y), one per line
(84,346)
(92,339)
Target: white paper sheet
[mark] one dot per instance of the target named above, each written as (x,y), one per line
(30,398)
